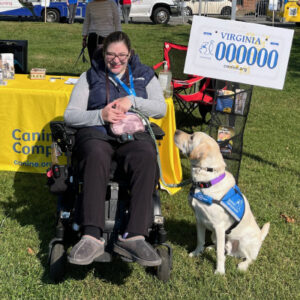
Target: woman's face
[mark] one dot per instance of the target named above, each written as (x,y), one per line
(116,57)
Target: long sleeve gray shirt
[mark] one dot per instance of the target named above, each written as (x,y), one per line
(77,115)
(101,17)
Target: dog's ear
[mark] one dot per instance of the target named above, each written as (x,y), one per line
(200,152)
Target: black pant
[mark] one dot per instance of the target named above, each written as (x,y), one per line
(126,11)
(138,159)
(93,41)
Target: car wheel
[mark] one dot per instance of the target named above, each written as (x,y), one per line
(187,12)
(226,11)
(52,16)
(57,262)
(161,15)
(63,20)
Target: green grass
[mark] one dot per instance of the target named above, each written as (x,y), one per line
(269,177)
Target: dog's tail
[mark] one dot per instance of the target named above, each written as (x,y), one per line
(264,231)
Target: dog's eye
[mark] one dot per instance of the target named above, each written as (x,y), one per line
(192,136)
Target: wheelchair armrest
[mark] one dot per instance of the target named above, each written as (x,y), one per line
(158,132)
(71,130)
(63,135)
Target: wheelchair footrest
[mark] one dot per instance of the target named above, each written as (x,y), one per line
(105,257)
(126,259)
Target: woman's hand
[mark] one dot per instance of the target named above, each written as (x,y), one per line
(111,114)
(122,104)
(84,43)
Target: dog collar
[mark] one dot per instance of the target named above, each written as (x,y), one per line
(207,184)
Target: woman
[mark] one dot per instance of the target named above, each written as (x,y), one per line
(101,19)
(116,82)
(72,7)
(126,6)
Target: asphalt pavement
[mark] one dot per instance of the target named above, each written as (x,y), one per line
(173,20)
(178,20)
(250,19)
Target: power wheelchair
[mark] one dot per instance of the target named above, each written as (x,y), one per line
(65,182)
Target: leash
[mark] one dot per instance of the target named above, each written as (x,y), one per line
(181,184)
(84,60)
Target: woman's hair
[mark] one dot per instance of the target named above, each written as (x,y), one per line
(117,36)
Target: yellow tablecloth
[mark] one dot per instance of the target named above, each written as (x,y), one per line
(28,106)
(168,152)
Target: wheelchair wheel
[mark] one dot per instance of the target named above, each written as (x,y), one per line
(163,271)
(57,262)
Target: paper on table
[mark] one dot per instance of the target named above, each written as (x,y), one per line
(71,81)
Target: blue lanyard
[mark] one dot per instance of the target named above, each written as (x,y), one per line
(129,91)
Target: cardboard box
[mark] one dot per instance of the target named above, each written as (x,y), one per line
(7,65)
(37,73)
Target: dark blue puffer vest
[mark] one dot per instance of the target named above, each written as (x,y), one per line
(96,77)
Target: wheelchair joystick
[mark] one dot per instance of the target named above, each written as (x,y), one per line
(56,171)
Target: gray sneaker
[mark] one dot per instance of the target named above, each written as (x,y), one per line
(137,249)
(86,250)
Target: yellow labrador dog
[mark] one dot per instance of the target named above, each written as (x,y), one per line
(218,204)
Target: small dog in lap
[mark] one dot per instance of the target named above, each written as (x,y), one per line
(218,204)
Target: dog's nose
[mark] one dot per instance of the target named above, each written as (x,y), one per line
(177,132)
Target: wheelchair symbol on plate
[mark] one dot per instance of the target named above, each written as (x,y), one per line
(239,204)
(207,48)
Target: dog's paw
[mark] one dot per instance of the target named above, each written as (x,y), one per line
(196,252)
(243,266)
(210,248)
(193,254)
(220,272)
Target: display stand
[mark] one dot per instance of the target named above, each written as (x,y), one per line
(19,48)
(228,119)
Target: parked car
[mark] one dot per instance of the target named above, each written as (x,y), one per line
(208,7)
(159,11)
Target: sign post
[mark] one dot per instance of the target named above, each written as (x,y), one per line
(45,11)
(273,5)
(233,10)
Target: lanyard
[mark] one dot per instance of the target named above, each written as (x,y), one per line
(129,91)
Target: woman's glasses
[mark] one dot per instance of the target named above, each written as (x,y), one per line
(111,56)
